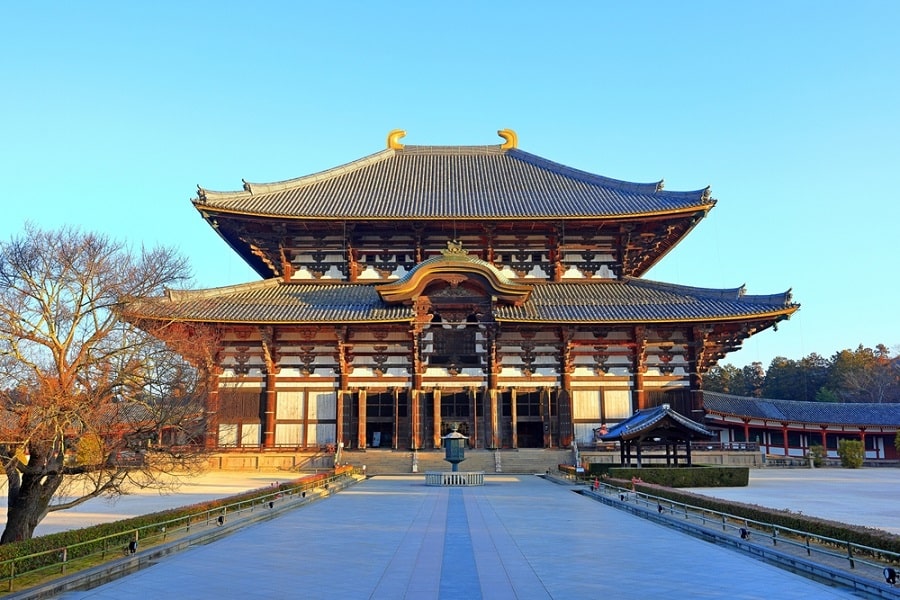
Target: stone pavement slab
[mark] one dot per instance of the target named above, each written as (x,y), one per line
(516,537)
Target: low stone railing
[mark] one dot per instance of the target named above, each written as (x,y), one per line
(454,478)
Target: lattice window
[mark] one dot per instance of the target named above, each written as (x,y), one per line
(528,404)
(380,405)
(455,405)
(454,347)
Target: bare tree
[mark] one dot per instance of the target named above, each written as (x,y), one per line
(91,404)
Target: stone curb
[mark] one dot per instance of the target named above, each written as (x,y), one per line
(95,576)
(817,571)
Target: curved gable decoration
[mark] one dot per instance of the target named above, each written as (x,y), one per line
(453,263)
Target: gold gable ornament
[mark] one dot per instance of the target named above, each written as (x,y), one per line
(510,137)
(454,250)
(393,139)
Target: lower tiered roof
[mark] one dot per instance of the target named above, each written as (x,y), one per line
(626,301)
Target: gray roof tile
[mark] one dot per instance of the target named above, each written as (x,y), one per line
(797,411)
(608,301)
(638,300)
(462,182)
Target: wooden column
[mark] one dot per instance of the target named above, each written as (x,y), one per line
(361,427)
(339,416)
(270,356)
(415,441)
(639,401)
(473,410)
(269,411)
(418,368)
(395,434)
(492,437)
(514,415)
(495,440)
(436,417)
(784,438)
(344,359)
(564,398)
(554,248)
(352,256)
(212,410)
(695,347)
(547,417)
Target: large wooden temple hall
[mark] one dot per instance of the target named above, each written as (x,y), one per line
(422,287)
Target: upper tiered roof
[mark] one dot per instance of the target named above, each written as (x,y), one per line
(452,182)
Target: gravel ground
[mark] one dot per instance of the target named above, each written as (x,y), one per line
(865,496)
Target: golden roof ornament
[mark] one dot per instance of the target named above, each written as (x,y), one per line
(454,249)
(393,139)
(512,140)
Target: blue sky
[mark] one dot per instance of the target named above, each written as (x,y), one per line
(113,112)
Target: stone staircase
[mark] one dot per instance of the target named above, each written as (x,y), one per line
(393,462)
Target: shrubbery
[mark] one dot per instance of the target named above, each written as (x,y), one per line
(851,453)
(695,476)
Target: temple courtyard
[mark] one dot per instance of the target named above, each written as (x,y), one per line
(518,536)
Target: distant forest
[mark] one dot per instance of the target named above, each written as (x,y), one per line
(861,375)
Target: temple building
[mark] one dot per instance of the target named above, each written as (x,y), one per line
(789,428)
(423,287)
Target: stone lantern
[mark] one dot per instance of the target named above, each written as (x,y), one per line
(454,448)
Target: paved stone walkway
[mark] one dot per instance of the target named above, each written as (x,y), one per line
(516,537)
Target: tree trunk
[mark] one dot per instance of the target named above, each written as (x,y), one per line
(29,498)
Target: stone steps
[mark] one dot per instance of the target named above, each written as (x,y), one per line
(531,460)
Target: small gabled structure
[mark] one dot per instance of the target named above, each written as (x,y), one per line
(658,426)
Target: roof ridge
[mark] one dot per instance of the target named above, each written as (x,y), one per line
(183,295)
(655,187)
(255,189)
(474,149)
(723,293)
(738,294)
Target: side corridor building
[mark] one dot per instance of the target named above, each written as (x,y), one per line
(483,286)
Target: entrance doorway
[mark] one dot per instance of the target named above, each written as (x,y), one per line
(383,409)
(456,410)
(530,434)
(529,419)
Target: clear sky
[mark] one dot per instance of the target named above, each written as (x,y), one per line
(111,113)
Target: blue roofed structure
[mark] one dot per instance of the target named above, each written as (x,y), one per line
(659,426)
